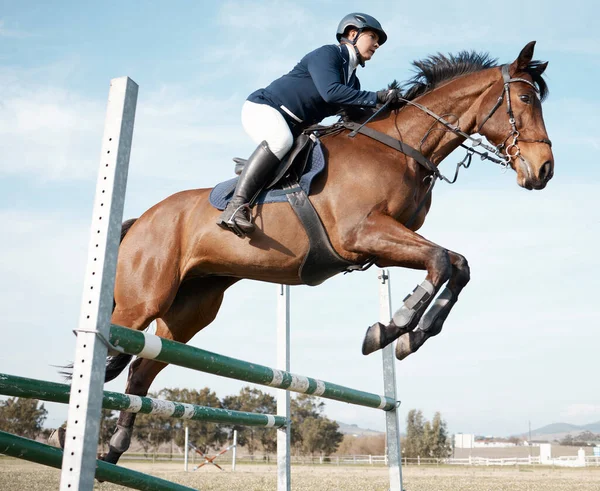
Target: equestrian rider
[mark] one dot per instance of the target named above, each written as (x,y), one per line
(319,84)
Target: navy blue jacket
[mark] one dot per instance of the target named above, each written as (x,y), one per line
(315,88)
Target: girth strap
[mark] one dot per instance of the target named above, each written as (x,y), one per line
(395,144)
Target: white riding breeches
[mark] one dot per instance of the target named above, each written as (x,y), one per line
(263,122)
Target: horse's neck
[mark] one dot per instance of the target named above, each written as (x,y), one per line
(457,101)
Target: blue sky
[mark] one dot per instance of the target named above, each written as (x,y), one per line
(522,342)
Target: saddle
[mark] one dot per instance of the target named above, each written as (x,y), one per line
(322,261)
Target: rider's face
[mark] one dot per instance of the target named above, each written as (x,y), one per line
(367,43)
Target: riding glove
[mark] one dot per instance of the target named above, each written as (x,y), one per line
(389,95)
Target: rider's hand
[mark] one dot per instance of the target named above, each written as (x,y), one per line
(389,95)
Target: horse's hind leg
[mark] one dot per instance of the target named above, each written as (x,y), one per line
(195,306)
(431,323)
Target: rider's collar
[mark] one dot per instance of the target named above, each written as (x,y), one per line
(352,61)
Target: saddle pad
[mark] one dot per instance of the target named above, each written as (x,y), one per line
(223,192)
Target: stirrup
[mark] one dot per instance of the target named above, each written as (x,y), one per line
(230,223)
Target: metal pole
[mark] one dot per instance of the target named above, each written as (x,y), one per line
(392,417)
(79,463)
(187,449)
(234,450)
(283,396)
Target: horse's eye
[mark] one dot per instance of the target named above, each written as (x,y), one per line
(525,98)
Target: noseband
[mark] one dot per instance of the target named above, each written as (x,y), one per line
(512,150)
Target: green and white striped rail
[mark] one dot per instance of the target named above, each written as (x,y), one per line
(37,452)
(11,385)
(153,347)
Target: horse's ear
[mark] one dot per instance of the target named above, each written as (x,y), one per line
(525,57)
(541,68)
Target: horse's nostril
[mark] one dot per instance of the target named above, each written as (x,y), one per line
(546,171)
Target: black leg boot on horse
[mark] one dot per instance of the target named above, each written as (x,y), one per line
(237,216)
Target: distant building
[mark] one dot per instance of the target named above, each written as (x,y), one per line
(464,440)
(493,444)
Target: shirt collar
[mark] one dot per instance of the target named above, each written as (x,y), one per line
(352,61)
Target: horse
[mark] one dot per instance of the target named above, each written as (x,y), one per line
(175,263)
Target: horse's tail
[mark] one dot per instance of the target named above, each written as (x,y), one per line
(116,364)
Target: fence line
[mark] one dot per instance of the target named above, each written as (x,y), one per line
(366,460)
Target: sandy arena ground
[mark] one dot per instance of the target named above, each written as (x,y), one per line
(16,475)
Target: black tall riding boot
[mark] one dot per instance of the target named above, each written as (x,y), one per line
(257,170)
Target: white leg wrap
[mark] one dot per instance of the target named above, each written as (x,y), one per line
(413,302)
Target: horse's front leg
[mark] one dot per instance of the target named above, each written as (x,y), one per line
(393,244)
(433,320)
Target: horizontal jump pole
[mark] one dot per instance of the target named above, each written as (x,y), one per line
(153,347)
(22,448)
(11,385)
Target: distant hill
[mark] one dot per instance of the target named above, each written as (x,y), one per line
(566,428)
(557,431)
(556,428)
(347,429)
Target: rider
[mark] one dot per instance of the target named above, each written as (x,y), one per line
(319,84)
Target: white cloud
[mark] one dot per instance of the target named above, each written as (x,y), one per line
(49,132)
(46,132)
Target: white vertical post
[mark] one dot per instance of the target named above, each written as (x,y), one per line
(187,449)
(392,418)
(283,396)
(234,450)
(81,442)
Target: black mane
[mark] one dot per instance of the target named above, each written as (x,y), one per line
(437,69)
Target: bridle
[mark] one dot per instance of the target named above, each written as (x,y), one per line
(512,150)
(504,153)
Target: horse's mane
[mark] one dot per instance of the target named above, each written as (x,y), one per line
(434,70)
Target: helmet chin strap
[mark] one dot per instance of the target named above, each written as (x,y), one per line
(359,57)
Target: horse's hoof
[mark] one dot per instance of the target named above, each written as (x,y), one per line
(373,336)
(410,343)
(403,346)
(111,457)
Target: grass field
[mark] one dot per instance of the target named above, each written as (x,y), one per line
(16,475)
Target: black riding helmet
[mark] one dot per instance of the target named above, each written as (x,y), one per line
(361,22)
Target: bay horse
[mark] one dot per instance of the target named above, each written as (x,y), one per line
(175,263)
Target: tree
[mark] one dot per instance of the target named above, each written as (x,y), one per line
(415,431)
(320,436)
(22,417)
(567,440)
(254,401)
(425,438)
(202,434)
(436,441)
(311,431)
(302,407)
